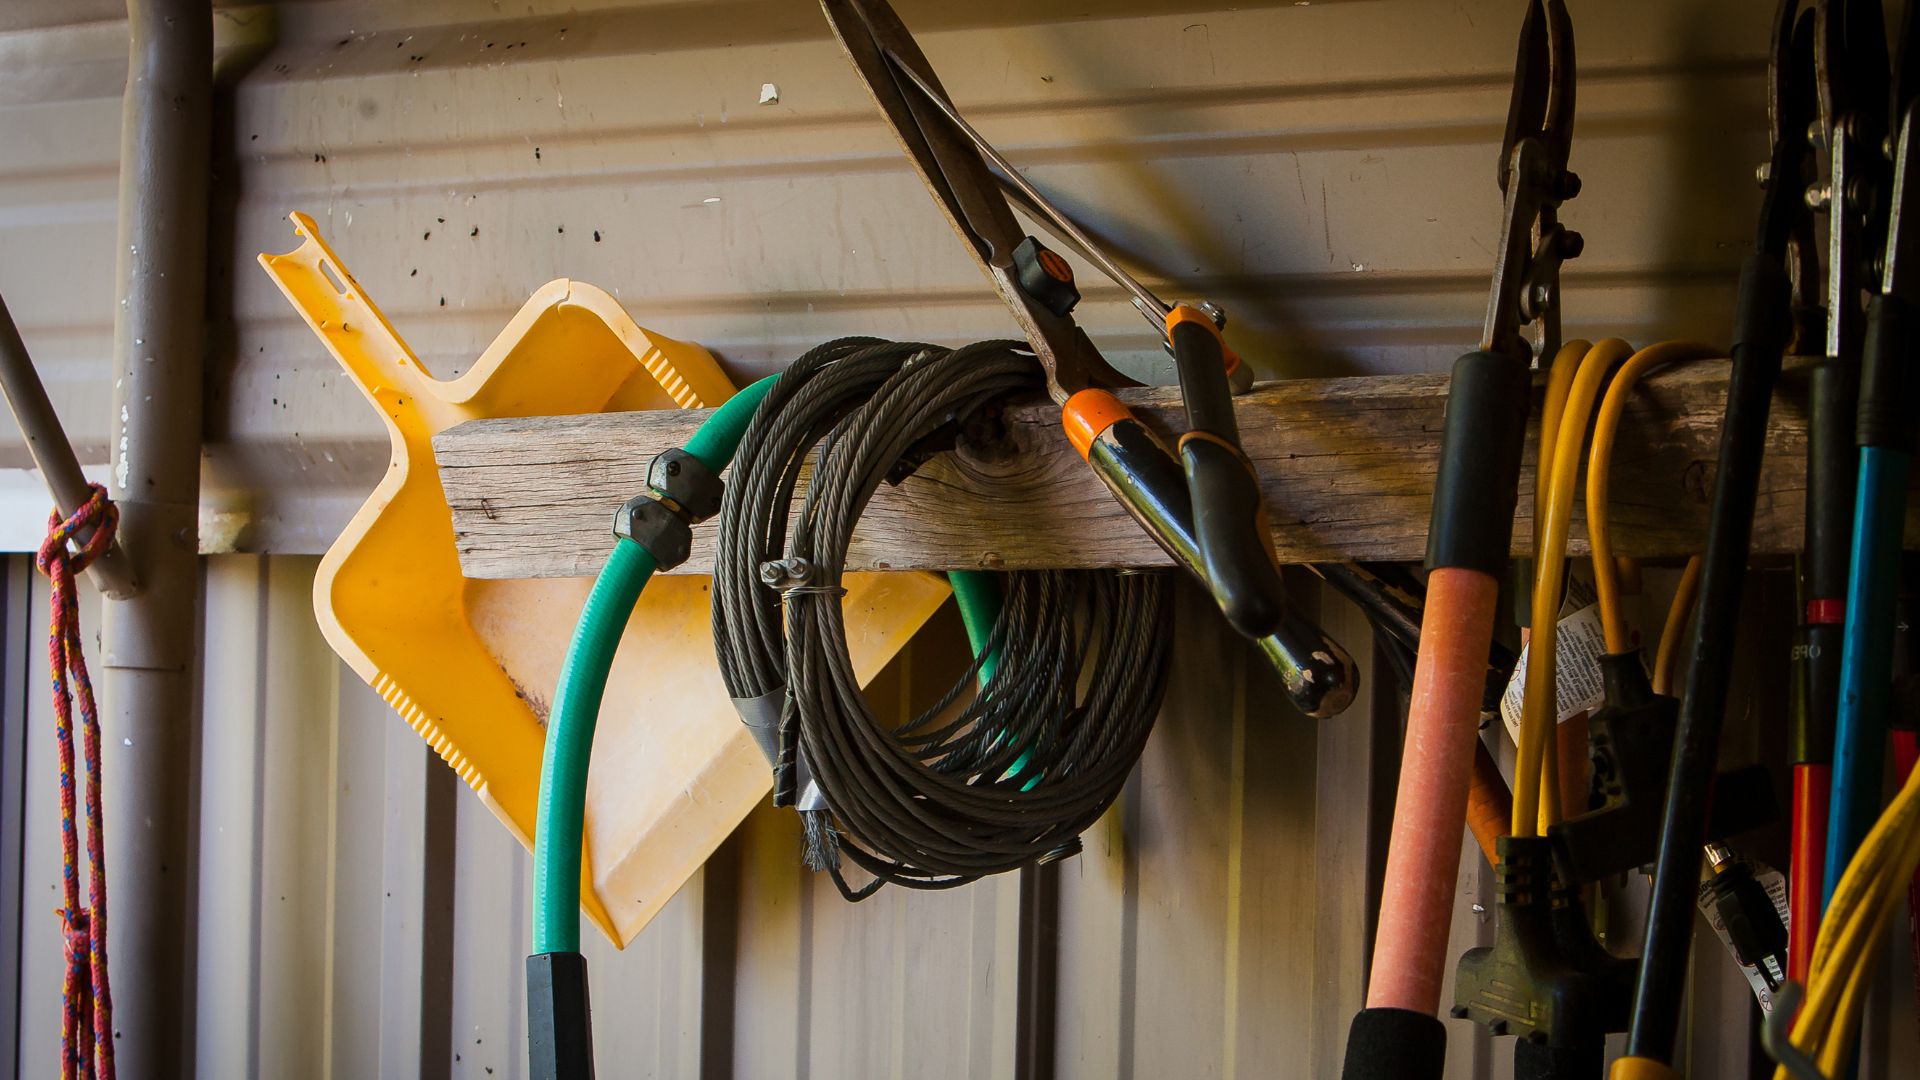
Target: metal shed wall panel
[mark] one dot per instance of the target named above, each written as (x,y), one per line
(1324,169)
(362,915)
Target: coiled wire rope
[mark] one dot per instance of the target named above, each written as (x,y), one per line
(1067,681)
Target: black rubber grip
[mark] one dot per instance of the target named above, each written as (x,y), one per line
(1200,359)
(1479,477)
(559,1017)
(1236,548)
(1887,379)
(1395,1044)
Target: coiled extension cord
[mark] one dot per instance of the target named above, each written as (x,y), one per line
(1064,708)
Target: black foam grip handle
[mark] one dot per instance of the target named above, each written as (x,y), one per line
(559,1017)
(1479,477)
(1887,379)
(1236,545)
(1395,1044)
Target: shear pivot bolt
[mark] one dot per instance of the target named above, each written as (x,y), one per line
(1045,276)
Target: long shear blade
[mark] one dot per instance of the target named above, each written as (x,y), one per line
(1543,80)
(876,41)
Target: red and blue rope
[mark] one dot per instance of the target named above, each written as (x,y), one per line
(86,1037)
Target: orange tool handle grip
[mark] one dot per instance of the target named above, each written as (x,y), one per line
(1436,765)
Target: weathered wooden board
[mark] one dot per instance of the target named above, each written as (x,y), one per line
(1347,466)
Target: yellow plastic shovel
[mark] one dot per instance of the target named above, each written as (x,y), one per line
(470,663)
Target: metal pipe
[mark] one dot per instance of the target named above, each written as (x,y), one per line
(149,641)
(47,442)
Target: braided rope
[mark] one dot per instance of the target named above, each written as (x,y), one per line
(86,1036)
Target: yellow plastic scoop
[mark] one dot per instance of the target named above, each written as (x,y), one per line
(470,664)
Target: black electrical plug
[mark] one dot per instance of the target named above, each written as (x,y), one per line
(1544,978)
(1630,742)
(559,1017)
(1754,930)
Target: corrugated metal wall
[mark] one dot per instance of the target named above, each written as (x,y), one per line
(1323,169)
(362,915)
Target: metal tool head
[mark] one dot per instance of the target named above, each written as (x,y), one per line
(1900,268)
(1786,228)
(1850,55)
(910,96)
(1543,87)
(1900,275)
(1534,176)
(1853,86)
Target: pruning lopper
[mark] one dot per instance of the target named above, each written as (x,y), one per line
(1769,313)
(1203,506)
(1469,545)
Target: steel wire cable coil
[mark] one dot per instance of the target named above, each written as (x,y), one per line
(1008,778)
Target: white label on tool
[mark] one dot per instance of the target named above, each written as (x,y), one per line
(1577,684)
(1776,885)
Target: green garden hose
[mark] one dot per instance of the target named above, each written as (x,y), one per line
(583,681)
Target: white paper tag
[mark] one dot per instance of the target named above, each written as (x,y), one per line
(1582,641)
(1776,885)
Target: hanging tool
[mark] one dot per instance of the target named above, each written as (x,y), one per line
(1850,64)
(453,656)
(1204,507)
(1886,405)
(1469,542)
(1763,323)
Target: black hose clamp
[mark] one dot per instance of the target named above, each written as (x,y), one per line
(685,481)
(682,492)
(656,526)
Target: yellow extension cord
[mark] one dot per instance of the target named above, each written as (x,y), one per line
(1574,383)
(1841,974)
(1869,894)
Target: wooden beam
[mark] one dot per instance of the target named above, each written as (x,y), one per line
(1347,465)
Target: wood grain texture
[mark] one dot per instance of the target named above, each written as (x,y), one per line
(1347,466)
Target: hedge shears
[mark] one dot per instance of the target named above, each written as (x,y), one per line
(1201,500)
